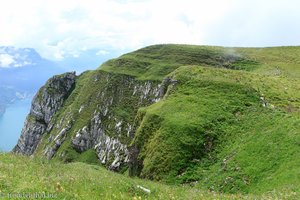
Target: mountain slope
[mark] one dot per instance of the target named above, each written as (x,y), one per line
(41,178)
(215,128)
(227,118)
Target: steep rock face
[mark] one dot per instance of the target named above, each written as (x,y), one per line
(52,96)
(98,115)
(112,147)
(44,105)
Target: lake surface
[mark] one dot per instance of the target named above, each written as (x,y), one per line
(11,124)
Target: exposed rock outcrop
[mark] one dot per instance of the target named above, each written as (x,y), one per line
(45,104)
(109,111)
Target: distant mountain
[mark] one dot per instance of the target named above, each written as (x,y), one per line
(22,72)
(24,68)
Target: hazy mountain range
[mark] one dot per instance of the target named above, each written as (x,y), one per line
(23,70)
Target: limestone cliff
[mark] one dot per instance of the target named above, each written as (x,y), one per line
(98,115)
(44,105)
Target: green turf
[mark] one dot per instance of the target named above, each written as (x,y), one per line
(21,176)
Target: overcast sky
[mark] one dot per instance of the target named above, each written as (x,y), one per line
(60,28)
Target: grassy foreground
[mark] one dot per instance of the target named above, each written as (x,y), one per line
(27,176)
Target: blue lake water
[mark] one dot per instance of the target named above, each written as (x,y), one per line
(11,124)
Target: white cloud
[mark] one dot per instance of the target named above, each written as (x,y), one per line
(258,23)
(102,52)
(59,29)
(6,60)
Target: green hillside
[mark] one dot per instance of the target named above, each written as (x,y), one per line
(22,176)
(224,120)
(213,128)
(154,62)
(234,129)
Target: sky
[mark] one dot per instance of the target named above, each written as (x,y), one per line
(67,28)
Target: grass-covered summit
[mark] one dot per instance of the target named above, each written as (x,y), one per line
(220,119)
(155,62)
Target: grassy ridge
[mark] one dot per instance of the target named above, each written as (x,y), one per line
(155,62)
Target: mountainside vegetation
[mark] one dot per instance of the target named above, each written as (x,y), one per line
(221,119)
(24,177)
